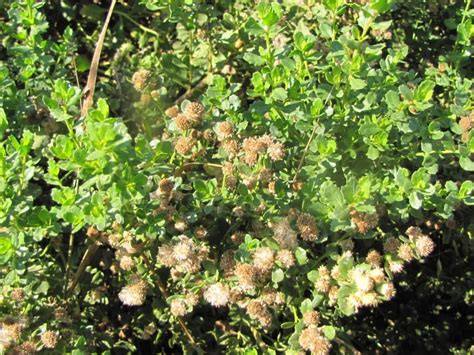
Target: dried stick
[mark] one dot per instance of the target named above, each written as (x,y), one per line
(92,78)
(87,104)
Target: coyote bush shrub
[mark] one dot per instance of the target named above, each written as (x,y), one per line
(250,175)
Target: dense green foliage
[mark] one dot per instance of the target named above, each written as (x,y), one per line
(252,178)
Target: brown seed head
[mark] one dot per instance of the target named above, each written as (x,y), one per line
(140,79)
(312,340)
(49,339)
(224,129)
(184,145)
(195,111)
(172,111)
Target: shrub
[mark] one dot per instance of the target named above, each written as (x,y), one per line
(265,172)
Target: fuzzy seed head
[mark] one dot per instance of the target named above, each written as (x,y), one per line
(92,232)
(362,281)
(200,232)
(307,227)
(388,290)
(224,129)
(391,245)
(311,318)
(49,339)
(184,145)
(230,146)
(364,221)
(258,310)
(396,267)
(271,297)
(237,237)
(323,284)
(18,294)
(134,293)
(312,340)
(246,275)
(377,274)
(374,258)
(126,263)
(165,186)
(405,252)
(140,79)
(165,256)
(284,234)
(286,258)
(276,151)
(178,307)
(369,299)
(180,225)
(217,294)
(413,233)
(10,332)
(25,348)
(424,246)
(195,111)
(172,111)
(183,122)
(227,262)
(263,259)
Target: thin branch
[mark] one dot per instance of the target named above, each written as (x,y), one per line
(68,264)
(164,292)
(76,77)
(347,345)
(139,25)
(190,92)
(87,104)
(86,259)
(306,148)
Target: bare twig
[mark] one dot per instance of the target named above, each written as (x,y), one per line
(86,259)
(92,78)
(347,345)
(190,92)
(68,263)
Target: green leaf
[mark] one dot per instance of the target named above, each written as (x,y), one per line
(63,147)
(300,255)
(424,91)
(466,163)
(373,153)
(3,122)
(306,306)
(392,100)
(369,129)
(333,4)
(278,275)
(416,200)
(103,107)
(279,94)
(6,249)
(317,107)
(269,14)
(254,59)
(381,6)
(313,276)
(329,332)
(357,84)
